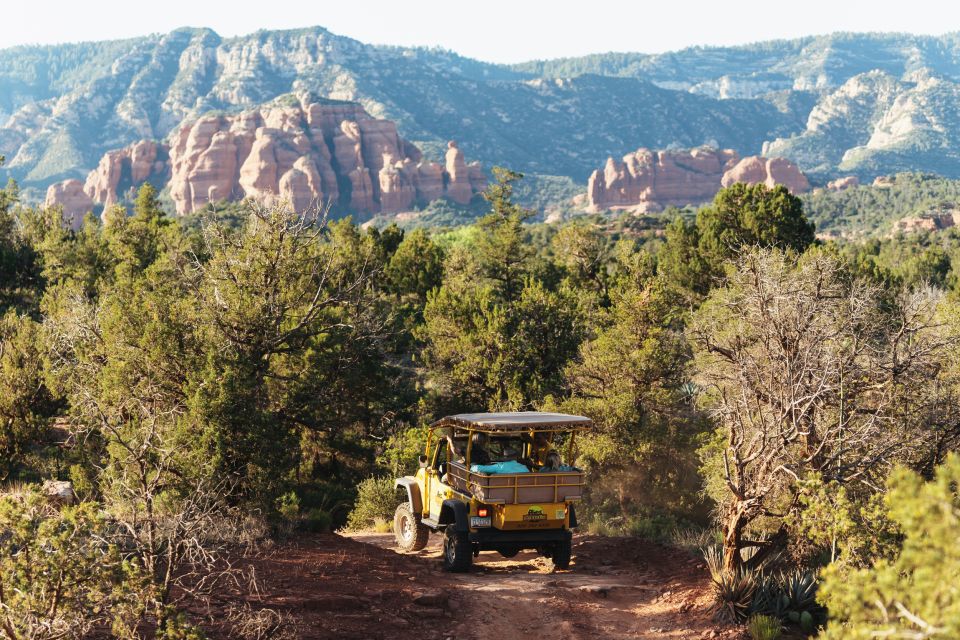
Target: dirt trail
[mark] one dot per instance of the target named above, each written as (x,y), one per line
(360,587)
(615,588)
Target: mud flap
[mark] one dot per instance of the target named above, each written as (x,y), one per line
(456,513)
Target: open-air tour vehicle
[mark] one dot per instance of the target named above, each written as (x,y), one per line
(531,506)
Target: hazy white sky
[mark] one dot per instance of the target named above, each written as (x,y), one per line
(494,30)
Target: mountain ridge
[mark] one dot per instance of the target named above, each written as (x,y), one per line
(63,106)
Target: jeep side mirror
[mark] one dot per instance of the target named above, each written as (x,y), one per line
(423,461)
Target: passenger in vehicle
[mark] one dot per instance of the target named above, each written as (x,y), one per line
(555,465)
(508,465)
(540,446)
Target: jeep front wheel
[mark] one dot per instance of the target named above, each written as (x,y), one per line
(457,553)
(411,534)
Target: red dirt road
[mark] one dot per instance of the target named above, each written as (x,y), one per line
(360,587)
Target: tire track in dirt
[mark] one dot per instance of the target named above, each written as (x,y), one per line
(616,588)
(359,587)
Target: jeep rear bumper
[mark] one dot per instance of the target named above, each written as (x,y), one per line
(493,539)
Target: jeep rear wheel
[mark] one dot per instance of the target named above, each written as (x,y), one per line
(561,554)
(411,534)
(457,553)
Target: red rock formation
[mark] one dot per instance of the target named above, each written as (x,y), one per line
(648,181)
(478,181)
(306,155)
(122,168)
(883,182)
(843,183)
(70,195)
(927,222)
(315,154)
(102,182)
(430,176)
(143,161)
(768,171)
(458,185)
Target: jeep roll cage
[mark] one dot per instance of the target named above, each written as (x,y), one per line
(513,423)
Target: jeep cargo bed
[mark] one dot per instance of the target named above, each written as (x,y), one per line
(517,488)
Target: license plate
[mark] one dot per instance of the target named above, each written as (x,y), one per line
(476,521)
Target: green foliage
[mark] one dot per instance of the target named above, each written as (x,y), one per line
(317,521)
(769,599)
(855,530)
(486,353)
(26,404)
(494,335)
(268,361)
(752,216)
(761,627)
(790,599)
(799,600)
(779,315)
(502,253)
(284,305)
(630,377)
(377,499)
(288,506)
(402,449)
(58,575)
(741,217)
(19,272)
(416,267)
(824,517)
(176,626)
(681,260)
(437,214)
(584,252)
(915,594)
(868,210)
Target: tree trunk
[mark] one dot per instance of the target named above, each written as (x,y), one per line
(733,528)
(623,501)
(774,545)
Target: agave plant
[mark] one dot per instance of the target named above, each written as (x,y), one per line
(732,590)
(790,597)
(800,589)
(768,599)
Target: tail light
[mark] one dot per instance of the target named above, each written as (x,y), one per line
(483,512)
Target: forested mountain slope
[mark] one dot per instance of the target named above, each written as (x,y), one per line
(862,104)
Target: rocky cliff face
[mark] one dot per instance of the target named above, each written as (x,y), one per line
(121,169)
(768,171)
(310,155)
(846,182)
(70,195)
(648,181)
(877,123)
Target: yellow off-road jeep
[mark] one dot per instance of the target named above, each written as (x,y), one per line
(483,483)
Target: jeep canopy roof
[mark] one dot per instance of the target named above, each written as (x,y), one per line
(515,422)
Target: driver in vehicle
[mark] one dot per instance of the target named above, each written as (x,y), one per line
(478,449)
